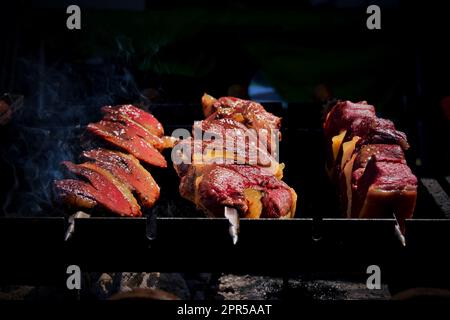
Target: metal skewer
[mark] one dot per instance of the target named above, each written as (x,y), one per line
(398,231)
(233,217)
(71,227)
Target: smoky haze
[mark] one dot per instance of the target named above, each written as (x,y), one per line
(60,100)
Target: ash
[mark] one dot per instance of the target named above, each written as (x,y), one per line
(207,286)
(305,287)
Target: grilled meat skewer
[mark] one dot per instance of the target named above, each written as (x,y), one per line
(366,160)
(113,176)
(219,175)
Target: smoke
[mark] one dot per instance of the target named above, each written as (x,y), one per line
(61,100)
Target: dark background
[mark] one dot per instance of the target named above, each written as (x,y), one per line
(156,52)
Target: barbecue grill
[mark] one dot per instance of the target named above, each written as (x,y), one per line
(174,236)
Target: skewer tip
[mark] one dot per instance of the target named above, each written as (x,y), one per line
(233,217)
